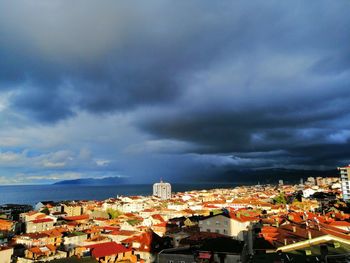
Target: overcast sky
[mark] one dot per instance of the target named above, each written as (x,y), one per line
(171,89)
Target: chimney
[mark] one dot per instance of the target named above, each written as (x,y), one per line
(309,234)
(294,229)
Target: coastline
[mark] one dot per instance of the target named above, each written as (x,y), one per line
(31,194)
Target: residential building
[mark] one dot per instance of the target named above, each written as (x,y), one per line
(74,239)
(162,190)
(33,239)
(220,249)
(72,209)
(40,205)
(6,254)
(307,192)
(144,245)
(39,225)
(6,225)
(49,252)
(311,239)
(216,225)
(234,225)
(311,181)
(345,181)
(12,211)
(109,252)
(30,216)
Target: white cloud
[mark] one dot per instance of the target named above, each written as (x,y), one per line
(23,178)
(101,162)
(53,176)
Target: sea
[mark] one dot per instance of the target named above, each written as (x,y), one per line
(32,194)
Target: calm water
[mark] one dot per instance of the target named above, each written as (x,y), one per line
(31,194)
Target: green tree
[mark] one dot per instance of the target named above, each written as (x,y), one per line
(280,199)
(45,210)
(113,213)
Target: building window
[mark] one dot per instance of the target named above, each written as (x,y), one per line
(170,261)
(208,230)
(217,223)
(217,231)
(225,223)
(208,223)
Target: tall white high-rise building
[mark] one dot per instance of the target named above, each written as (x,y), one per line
(162,190)
(345,181)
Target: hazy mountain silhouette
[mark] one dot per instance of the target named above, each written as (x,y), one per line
(93,181)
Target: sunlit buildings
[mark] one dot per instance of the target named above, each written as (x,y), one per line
(345,181)
(162,190)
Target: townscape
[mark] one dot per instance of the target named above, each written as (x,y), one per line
(242,107)
(309,221)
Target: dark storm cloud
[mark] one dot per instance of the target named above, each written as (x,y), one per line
(118,56)
(302,135)
(45,106)
(254,128)
(109,56)
(240,79)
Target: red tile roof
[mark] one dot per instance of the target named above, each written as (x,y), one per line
(130,215)
(51,247)
(44,220)
(242,218)
(110,228)
(162,224)
(123,232)
(35,250)
(145,241)
(30,213)
(295,217)
(107,249)
(158,217)
(5,224)
(40,216)
(76,218)
(149,210)
(336,233)
(100,219)
(286,234)
(340,223)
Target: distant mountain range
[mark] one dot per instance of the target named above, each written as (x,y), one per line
(93,181)
(263,176)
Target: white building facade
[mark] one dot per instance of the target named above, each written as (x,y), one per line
(162,190)
(345,181)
